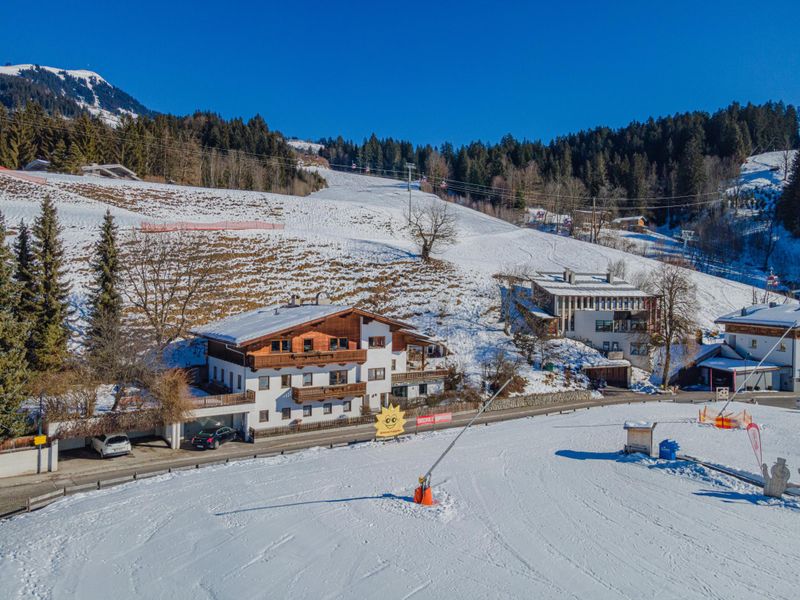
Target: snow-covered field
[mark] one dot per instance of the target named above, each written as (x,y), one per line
(535,508)
(347,240)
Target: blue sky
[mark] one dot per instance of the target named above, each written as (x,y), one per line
(426,71)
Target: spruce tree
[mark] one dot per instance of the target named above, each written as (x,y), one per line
(13,366)
(49,328)
(105,302)
(23,275)
(788,208)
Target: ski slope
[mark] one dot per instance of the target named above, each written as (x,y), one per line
(535,508)
(347,240)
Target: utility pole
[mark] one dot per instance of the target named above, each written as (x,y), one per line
(410,167)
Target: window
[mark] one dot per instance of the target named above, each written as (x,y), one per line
(606,346)
(263,383)
(286,381)
(401,391)
(638,325)
(638,349)
(222,377)
(338,344)
(215,372)
(423,389)
(385,399)
(308,345)
(377,342)
(615,346)
(263,416)
(347,406)
(338,377)
(327,408)
(754,343)
(239,382)
(376,374)
(281,345)
(286,414)
(307,411)
(394,365)
(230,380)
(620,326)
(603,325)
(308,379)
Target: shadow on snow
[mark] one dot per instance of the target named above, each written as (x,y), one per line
(307,502)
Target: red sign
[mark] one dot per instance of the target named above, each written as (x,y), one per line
(754,433)
(434,419)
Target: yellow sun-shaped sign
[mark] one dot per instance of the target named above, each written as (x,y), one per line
(389,422)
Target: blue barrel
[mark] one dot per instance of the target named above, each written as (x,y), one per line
(668,449)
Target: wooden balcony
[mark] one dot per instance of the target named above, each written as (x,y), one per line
(246,397)
(418,376)
(305,359)
(312,394)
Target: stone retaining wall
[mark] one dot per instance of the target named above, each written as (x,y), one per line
(538,400)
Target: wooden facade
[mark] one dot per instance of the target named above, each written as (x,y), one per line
(328,392)
(766,331)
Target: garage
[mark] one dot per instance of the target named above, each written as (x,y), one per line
(615,375)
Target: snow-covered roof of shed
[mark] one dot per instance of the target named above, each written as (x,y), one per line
(734,365)
(244,327)
(639,425)
(587,284)
(779,315)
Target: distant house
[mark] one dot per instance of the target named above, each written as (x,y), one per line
(638,223)
(599,309)
(765,331)
(114,171)
(37,164)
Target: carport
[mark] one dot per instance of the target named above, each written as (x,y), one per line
(615,373)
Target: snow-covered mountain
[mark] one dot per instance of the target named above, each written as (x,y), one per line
(86,90)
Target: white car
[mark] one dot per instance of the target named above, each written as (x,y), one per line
(113,444)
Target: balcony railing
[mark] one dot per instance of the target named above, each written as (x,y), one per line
(412,376)
(246,397)
(311,394)
(304,359)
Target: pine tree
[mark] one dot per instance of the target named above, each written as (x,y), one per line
(26,304)
(105,302)
(788,208)
(13,366)
(49,329)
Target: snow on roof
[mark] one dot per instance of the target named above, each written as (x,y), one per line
(782,315)
(254,324)
(639,425)
(733,365)
(587,284)
(629,219)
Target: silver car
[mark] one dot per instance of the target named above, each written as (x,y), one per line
(113,444)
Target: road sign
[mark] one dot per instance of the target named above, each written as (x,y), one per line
(723,393)
(389,422)
(39,440)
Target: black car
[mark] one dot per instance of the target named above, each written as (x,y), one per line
(213,438)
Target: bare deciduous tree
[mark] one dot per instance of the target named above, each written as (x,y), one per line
(164,277)
(432,226)
(677,307)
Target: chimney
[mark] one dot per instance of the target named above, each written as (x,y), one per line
(293,300)
(566,275)
(609,277)
(744,311)
(773,304)
(571,278)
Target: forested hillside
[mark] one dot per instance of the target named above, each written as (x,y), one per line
(200,149)
(684,155)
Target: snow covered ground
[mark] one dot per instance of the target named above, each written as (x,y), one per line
(542,507)
(347,240)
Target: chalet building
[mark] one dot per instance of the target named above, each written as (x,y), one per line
(753,334)
(605,312)
(306,363)
(637,223)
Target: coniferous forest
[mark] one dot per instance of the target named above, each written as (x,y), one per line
(680,156)
(201,149)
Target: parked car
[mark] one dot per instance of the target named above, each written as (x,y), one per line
(214,438)
(113,444)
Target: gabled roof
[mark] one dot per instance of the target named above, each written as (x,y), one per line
(253,325)
(733,365)
(778,315)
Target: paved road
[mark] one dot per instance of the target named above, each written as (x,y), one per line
(86,467)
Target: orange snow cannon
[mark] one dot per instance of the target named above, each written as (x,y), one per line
(423,494)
